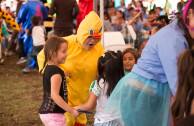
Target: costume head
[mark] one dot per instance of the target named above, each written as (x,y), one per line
(90,26)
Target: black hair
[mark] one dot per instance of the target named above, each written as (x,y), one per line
(152,11)
(7,7)
(122,13)
(110,68)
(158,8)
(44,1)
(35,20)
(130,9)
(185,88)
(160,18)
(108,16)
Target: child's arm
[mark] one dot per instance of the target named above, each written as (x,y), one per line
(95,93)
(192,108)
(55,88)
(29,32)
(89,104)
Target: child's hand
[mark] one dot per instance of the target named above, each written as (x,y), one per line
(76,108)
(75,113)
(117,22)
(113,22)
(130,21)
(26,31)
(21,30)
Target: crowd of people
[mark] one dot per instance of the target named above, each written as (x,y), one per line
(144,22)
(149,85)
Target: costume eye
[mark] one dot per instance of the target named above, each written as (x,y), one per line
(91,31)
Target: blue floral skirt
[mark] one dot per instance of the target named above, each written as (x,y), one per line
(140,102)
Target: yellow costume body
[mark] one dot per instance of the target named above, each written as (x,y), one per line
(81,64)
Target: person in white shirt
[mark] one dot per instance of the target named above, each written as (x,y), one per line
(110,71)
(38,33)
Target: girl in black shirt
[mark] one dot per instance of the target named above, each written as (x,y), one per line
(54,84)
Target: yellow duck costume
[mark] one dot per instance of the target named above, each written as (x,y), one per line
(81,64)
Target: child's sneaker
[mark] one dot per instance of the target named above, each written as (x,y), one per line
(26,70)
(21,60)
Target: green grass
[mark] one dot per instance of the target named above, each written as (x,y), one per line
(21,96)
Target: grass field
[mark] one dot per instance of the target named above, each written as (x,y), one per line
(21,95)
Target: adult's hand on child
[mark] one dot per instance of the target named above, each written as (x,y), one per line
(68,74)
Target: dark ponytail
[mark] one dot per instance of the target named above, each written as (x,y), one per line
(110,68)
(185,84)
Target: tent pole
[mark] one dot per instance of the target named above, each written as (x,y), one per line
(95,6)
(102,18)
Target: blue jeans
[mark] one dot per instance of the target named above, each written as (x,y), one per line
(4,43)
(34,51)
